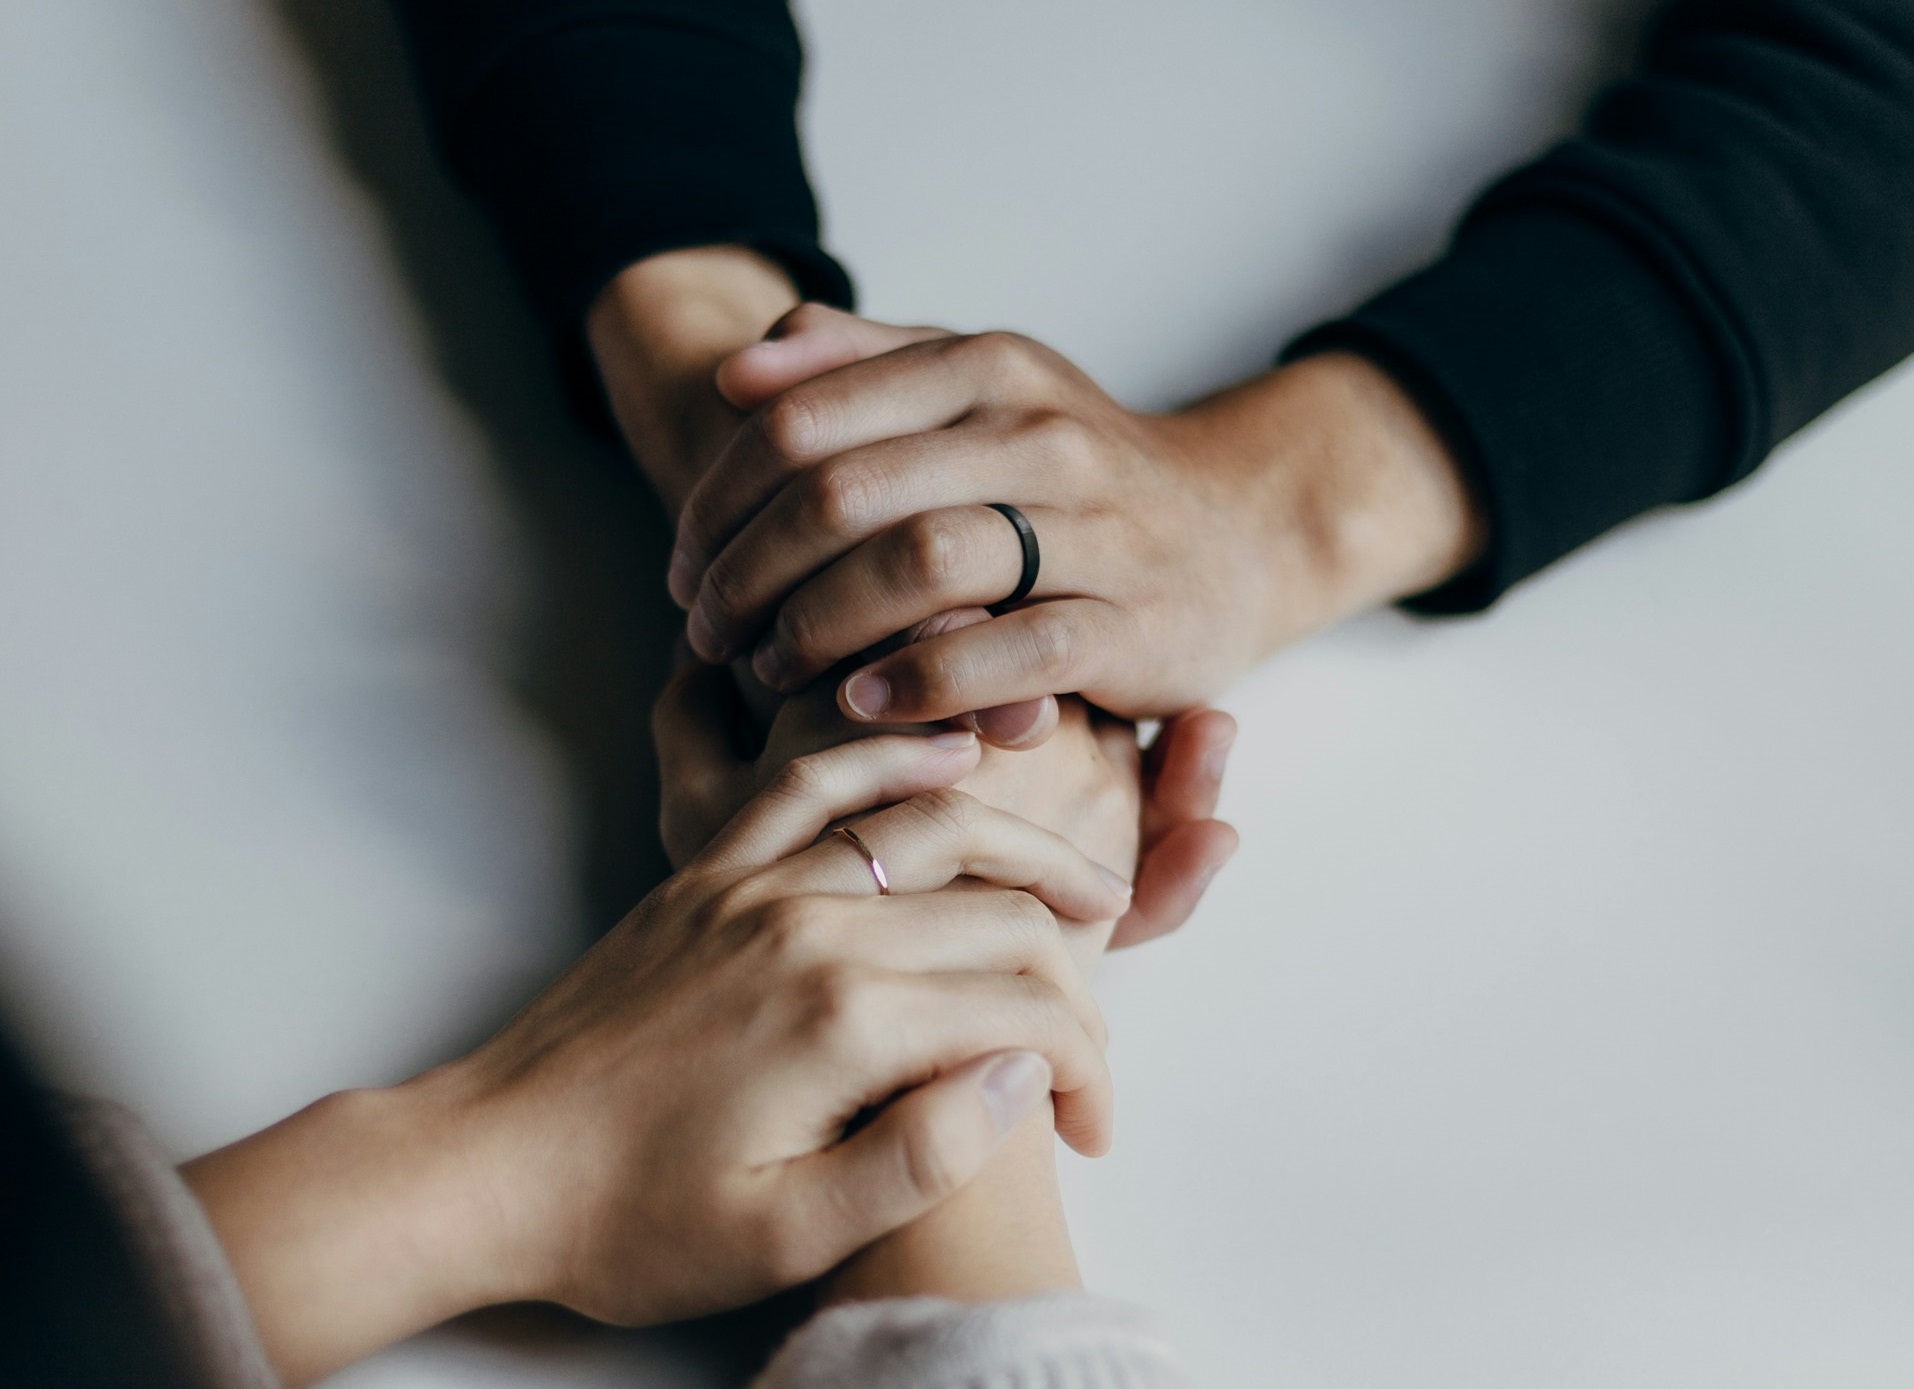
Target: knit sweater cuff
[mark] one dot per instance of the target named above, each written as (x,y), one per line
(1568,374)
(605,142)
(173,1243)
(928,1343)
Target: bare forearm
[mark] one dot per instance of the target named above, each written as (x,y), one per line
(1003,1236)
(349,1227)
(658,332)
(1358,497)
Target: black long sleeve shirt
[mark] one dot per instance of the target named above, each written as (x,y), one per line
(1636,318)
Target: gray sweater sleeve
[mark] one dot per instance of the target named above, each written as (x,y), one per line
(173,1243)
(1074,1339)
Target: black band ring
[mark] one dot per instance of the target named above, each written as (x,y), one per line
(1032,557)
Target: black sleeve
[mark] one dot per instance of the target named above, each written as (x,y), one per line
(1642,314)
(597,132)
(74,1311)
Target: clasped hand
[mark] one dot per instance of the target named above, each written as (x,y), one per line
(855,504)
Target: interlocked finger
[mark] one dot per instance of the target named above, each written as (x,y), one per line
(928,563)
(935,837)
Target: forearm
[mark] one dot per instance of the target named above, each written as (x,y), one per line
(1003,1236)
(658,332)
(350,1226)
(1354,497)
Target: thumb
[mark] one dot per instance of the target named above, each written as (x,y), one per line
(808,341)
(923,1147)
(1172,878)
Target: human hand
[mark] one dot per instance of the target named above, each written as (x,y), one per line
(657,334)
(663,1132)
(1177,549)
(1087,784)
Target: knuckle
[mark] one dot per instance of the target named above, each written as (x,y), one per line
(804,628)
(931,675)
(739,901)
(928,1168)
(724,586)
(1055,644)
(1063,441)
(838,1008)
(950,811)
(803,779)
(794,928)
(1034,918)
(932,552)
(1049,1008)
(838,500)
(1011,358)
(796,424)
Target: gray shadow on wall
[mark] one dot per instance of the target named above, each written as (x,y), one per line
(597,643)
(598,639)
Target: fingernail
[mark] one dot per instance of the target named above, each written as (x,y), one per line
(682,579)
(1115,881)
(1015,1086)
(955,738)
(770,665)
(1218,760)
(868,695)
(1010,725)
(703,635)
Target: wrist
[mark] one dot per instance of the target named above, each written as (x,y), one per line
(1356,499)
(1003,1236)
(362,1219)
(658,332)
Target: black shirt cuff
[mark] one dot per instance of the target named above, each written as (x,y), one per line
(1568,374)
(605,142)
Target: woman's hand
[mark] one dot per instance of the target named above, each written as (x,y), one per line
(1176,549)
(658,332)
(762,1069)
(1087,784)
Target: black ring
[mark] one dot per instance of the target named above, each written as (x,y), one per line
(1032,557)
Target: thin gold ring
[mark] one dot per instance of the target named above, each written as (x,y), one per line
(877,864)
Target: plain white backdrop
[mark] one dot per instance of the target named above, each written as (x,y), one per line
(1556,1025)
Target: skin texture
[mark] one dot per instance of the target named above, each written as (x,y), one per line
(669,335)
(1005,1234)
(1178,549)
(667,1130)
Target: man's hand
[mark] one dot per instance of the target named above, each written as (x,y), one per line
(1177,549)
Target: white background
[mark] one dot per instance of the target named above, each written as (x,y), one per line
(1556,1025)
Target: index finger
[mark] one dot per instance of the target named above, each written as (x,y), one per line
(911,390)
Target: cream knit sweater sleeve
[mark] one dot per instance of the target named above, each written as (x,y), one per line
(1069,1341)
(1065,1340)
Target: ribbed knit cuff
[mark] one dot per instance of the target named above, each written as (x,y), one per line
(602,143)
(1570,377)
(1073,1339)
(184,1266)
